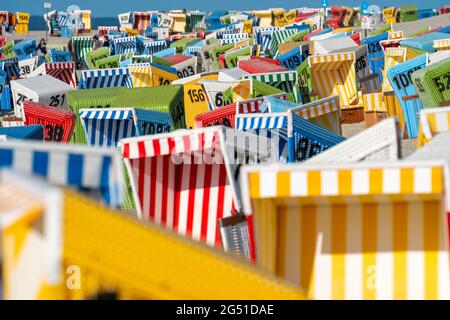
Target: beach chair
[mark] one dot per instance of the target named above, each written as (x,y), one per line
(359,231)
(49,256)
(64,71)
(58,123)
(174,187)
(96,171)
(105,78)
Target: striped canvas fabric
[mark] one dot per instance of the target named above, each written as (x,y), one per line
(442,44)
(254,105)
(104,30)
(219,34)
(271,121)
(249,106)
(374,102)
(323,112)
(318,108)
(239,36)
(86,19)
(266,38)
(179,22)
(125,45)
(105,78)
(335,74)
(395,35)
(164,191)
(226,115)
(107,127)
(141,75)
(141,20)
(362,232)
(259,31)
(232,40)
(173,189)
(196,19)
(11,67)
(94,169)
(62,19)
(265,17)
(151,34)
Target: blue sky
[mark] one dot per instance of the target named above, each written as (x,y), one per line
(108,8)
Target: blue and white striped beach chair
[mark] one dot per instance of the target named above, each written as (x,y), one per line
(106,127)
(105,78)
(153,46)
(124,45)
(304,138)
(96,171)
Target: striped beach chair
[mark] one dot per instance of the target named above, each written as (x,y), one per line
(233,38)
(370,230)
(105,78)
(322,112)
(106,127)
(96,171)
(187,196)
(432,121)
(81,45)
(304,138)
(141,74)
(35,132)
(152,47)
(399,77)
(278,37)
(335,74)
